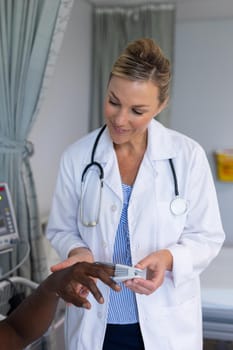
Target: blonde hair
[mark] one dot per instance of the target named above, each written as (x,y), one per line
(144,60)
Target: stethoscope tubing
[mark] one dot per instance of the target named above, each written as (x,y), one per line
(178,205)
(93,162)
(176,190)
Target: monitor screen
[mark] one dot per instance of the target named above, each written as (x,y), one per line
(3,229)
(8,227)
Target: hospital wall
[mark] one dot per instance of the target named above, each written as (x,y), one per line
(63,117)
(201,103)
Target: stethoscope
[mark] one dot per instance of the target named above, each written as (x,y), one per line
(178,205)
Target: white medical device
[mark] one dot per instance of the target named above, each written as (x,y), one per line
(8,228)
(124,272)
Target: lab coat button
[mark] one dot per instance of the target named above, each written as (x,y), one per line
(99,314)
(105,245)
(113,207)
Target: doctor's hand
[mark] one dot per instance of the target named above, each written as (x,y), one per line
(75,255)
(157,263)
(69,282)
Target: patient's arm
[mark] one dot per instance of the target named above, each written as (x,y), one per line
(34,315)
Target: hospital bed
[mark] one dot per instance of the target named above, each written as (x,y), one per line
(13,286)
(13,289)
(217,298)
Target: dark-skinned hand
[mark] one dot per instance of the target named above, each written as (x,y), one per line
(74,282)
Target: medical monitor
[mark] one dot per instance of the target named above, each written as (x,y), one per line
(8,228)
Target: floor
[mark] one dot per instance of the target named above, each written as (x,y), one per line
(217,345)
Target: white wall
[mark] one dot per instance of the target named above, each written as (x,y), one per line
(202,104)
(64,114)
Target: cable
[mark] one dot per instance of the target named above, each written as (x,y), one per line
(16,267)
(26,282)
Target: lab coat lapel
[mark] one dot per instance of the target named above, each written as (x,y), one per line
(160,147)
(145,176)
(160,143)
(112,175)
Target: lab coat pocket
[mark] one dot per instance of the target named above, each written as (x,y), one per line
(170,226)
(181,325)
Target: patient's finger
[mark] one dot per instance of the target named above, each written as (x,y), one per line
(80,302)
(91,285)
(101,271)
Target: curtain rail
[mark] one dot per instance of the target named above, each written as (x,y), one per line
(106,5)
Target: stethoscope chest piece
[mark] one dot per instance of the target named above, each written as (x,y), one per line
(178,206)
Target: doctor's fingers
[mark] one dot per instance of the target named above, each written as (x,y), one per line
(150,261)
(141,286)
(64,264)
(161,259)
(84,256)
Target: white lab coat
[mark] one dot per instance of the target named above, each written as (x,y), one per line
(170,318)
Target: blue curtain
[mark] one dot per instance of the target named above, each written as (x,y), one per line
(26,32)
(113,28)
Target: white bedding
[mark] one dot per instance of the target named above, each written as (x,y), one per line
(217,296)
(217,281)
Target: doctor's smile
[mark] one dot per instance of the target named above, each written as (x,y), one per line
(159,232)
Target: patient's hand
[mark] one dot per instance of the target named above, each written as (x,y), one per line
(74,282)
(76,255)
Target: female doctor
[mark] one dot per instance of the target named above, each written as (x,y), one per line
(139,194)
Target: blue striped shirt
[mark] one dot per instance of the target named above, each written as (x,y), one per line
(122,307)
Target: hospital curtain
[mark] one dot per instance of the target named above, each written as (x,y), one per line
(113,28)
(30,37)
